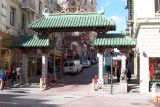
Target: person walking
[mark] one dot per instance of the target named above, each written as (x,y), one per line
(2,79)
(129,71)
(13,77)
(8,76)
(19,72)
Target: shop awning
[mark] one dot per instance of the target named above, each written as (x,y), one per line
(31,42)
(76,21)
(111,40)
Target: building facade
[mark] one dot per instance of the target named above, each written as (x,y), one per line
(144,25)
(15,15)
(10,21)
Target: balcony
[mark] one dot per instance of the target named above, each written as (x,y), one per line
(28,4)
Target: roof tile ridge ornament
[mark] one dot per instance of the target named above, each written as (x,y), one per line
(64,11)
(102,11)
(45,13)
(80,10)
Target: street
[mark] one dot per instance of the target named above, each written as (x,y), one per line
(74,91)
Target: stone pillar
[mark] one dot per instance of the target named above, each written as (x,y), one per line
(44,65)
(136,73)
(123,76)
(25,68)
(123,63)
(100,67)
(144,74)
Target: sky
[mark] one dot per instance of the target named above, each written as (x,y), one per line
(115,9)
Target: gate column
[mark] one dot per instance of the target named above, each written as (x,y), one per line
(100,67)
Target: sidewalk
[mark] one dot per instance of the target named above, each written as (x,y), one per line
(88,99)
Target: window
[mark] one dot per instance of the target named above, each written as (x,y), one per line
(12,16)
(51,1)
(154,68)
(85,3)
(23,22)
(92,2)
(40,8)
(71,64)
(157,5)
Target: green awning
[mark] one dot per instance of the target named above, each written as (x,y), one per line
(31,42)
(73,20)
(114,40)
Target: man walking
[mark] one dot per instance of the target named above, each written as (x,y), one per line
(19,72)
(2,78)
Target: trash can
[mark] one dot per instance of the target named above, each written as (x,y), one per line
(106,78)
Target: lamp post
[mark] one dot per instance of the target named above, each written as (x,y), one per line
(54,66)
(111,75)
(111,55)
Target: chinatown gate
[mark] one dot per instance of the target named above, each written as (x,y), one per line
(40,45)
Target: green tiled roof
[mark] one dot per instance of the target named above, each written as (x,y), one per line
(114,40)
(73,20)
(31,41)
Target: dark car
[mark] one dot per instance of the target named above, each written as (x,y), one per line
(92,61)
(96,60)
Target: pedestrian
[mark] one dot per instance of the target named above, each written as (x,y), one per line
(18,72)
(13,77)
(129,71)
(2,79)
(8,76)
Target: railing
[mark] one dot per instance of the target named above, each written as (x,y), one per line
(29,4)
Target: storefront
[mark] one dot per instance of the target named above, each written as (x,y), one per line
(154,68)
(7,55)
(34,55)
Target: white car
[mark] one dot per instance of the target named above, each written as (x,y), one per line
(86,63)
(73,66)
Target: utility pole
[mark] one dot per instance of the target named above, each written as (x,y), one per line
(111,75)
(54,66)
(111,55)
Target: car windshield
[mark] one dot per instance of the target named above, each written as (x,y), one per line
(65,64)
(71,64)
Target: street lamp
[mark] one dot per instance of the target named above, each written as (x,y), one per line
(111,55)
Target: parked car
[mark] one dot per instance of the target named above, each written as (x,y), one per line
(73,66)
(96,60)
(92,61)
(86,63)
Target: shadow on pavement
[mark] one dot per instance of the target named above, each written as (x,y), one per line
(133,85)
(8,100)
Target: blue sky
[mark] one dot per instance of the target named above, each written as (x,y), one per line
(115,9)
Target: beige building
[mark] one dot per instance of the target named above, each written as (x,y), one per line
(144,26)
(15,15)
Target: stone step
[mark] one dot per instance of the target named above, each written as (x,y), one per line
(116,88)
